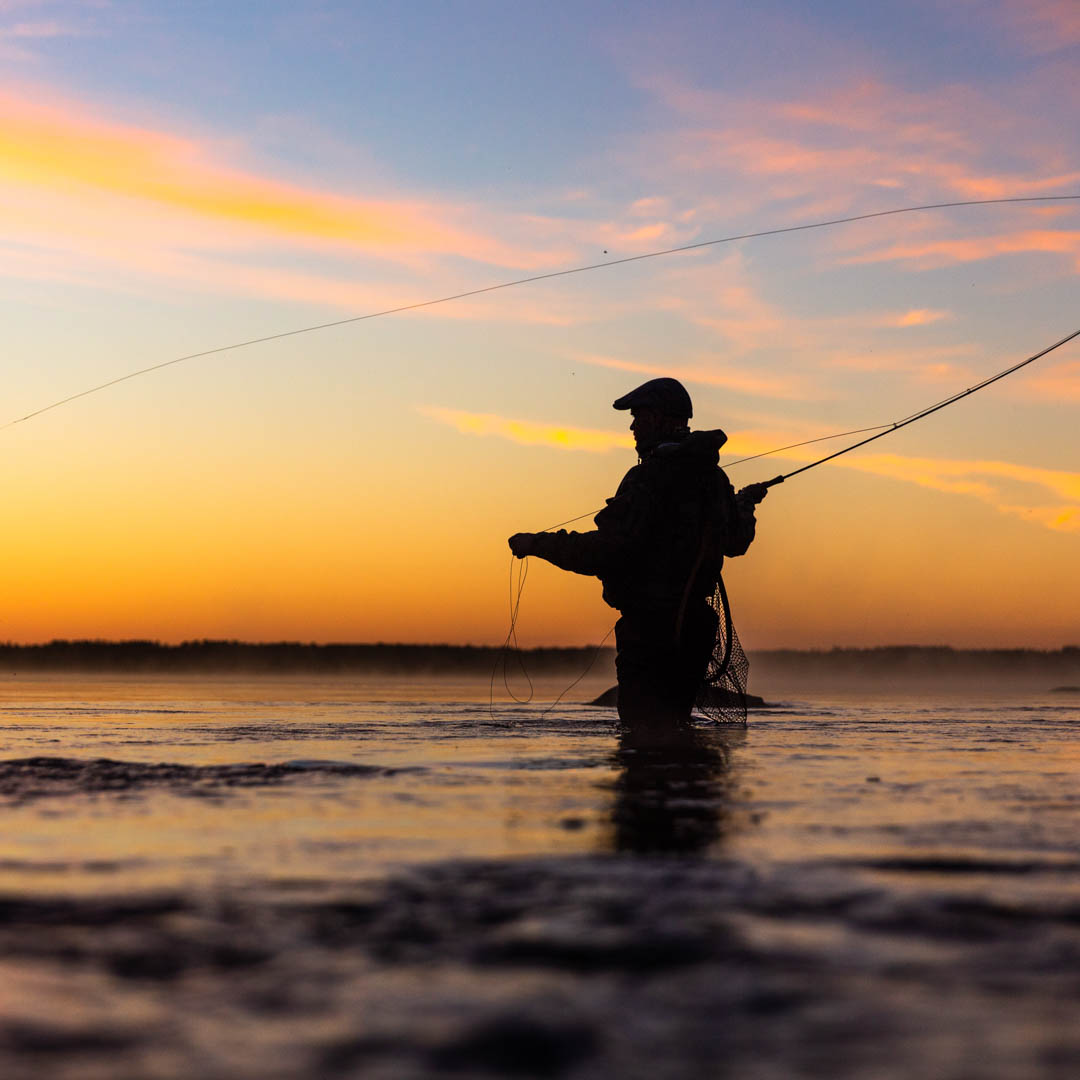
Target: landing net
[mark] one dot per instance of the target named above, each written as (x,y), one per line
(723,695)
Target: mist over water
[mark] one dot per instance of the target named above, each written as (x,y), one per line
(386,876)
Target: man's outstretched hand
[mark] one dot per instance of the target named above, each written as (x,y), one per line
(754,493)
(523,544)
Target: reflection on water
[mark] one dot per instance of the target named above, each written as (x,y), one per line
(323,878)
(671,793)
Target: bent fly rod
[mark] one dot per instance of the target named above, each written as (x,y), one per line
(881,430)
(779,231)
(921,414)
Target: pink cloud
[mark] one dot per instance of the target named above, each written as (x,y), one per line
(726,298)
(1044,26)
(652,206)
(723,296)
(27,30)
(836,151)
(1059,383)
(930,254)
(928,362)
(718,373)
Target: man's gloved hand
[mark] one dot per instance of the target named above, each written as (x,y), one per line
(523,544)
(754,493)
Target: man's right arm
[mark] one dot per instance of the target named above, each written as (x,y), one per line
(618,528)
(580,553)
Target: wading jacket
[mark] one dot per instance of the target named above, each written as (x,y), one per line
(674,518)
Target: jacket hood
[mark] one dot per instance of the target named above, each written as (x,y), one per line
(703,445)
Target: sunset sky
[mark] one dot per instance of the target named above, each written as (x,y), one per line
(175,177)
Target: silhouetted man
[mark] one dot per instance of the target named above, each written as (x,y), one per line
(658,549)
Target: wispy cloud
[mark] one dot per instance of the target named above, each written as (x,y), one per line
(914,317)
(926,363)
(45,28)
(1042,26)
(773,350)
(717,373)
(997,483)
(25,23)
(837,151)
(929,254)
(990,481)
(62,148)
(530,432)
(1000,484)
(15,40)
(1060,383)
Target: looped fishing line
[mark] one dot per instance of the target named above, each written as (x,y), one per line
(510,643)
(511,636)
(779,231)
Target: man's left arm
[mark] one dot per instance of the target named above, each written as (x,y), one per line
(742,524)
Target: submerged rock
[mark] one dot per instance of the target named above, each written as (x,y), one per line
(712,696)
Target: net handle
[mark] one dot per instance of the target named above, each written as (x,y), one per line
(728,635)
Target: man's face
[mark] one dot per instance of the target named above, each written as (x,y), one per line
(648,427)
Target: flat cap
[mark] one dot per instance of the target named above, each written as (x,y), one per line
(667,396)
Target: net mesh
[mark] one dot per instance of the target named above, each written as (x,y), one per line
(723,695)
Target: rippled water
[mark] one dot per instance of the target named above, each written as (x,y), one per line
(286,877)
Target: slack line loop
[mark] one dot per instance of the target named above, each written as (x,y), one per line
(510,645)
(927,411)
(529,280)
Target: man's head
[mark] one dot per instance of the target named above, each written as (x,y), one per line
(661,409)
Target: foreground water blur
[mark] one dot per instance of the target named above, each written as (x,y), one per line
(294,877)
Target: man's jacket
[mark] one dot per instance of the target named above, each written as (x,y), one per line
(665,533)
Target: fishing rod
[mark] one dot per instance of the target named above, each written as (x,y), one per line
(881,429)
(880,432)
(923,413)
(779,231)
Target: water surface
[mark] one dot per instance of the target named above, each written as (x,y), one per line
(297,877)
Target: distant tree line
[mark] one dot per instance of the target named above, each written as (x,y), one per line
(299,657)
(283,656)
(923,661)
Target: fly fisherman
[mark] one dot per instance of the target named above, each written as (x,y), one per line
(658,549)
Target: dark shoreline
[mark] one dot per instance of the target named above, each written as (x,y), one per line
(1062,666)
